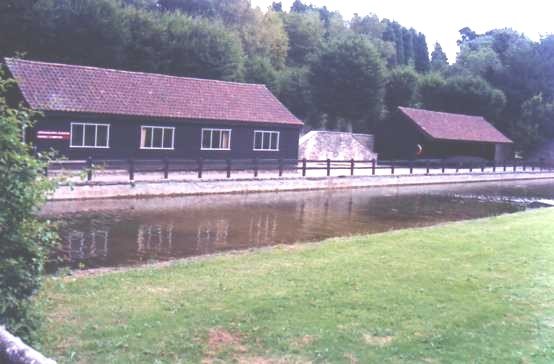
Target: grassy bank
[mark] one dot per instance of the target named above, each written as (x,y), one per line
(479,291)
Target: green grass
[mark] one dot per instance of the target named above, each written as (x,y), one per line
(479,291)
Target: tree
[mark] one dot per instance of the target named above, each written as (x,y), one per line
(536,123)
(466,34)
(401,88)
(260,70)
(421,53)
(348,83)
(439,60)
(25,240)
(305,32)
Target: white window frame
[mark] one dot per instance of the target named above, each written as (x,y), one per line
(96,125)
(211,130)
(152,137)
(262,149)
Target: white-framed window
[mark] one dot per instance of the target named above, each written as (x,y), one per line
(90,135)
(215,139)
(157,137)
(266,140)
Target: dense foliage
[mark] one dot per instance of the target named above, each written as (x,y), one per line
(24,240)
(306,55)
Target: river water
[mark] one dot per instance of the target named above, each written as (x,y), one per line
(120,232)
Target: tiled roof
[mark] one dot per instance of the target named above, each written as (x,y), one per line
(446,126)
(68,88)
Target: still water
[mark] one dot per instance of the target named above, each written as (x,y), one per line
(132,231)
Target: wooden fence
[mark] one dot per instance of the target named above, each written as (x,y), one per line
(226,167)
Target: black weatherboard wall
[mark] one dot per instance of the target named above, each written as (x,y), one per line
(124,141)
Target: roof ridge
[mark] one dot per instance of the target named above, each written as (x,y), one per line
(56,64)
(442,112)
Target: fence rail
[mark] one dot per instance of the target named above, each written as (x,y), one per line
(227,167)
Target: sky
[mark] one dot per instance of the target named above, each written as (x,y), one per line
(441,20)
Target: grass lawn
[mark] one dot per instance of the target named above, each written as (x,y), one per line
(479,291)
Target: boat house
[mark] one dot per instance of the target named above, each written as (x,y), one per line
(112,114)
(423,134)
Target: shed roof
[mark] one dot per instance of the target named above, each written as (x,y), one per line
(447,126)
(70,88)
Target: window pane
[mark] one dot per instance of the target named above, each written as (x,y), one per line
(265,143)
(225,139)
(77,135)
(157,140)
(274,137)
(168,138)
(216,139)
(257,140)
(146,138)
(90,135)
(206,138)
(102,136)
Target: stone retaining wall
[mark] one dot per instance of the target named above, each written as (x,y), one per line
(96,190)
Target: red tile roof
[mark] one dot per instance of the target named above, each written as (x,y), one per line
(68,88)
(446,126)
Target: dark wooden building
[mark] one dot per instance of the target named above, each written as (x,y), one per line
(423,134)
(112,114)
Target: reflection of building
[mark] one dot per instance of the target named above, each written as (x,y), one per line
(155,238)
(211,234)
(87,245)
(262,229)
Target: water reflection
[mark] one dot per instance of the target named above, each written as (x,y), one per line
(131,231)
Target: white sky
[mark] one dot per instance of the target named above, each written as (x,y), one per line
(441,20)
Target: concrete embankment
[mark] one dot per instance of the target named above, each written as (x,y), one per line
(98,190)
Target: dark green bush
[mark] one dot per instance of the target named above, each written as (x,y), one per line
(24,239)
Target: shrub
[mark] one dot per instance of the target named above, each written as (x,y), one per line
(24,239)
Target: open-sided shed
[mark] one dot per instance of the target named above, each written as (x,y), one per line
(424,134)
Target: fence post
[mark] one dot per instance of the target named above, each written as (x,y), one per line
(304,167)
(255,167)
(391,167)
(470,167)
(131,169)
(541,161)
(352,166)
(458,167)
(524,166)
(89,169)
(494,167)
(46,170)
(228,168)
(411,167)
(442,166)
(280,167)
(427,165)
(373,167)
(515,165)
(200,163)
(504,163)
(166,168)
(483,167)
(328,167)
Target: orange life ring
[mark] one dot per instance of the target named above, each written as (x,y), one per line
(419,149)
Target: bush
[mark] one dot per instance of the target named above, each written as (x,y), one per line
(24,239)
